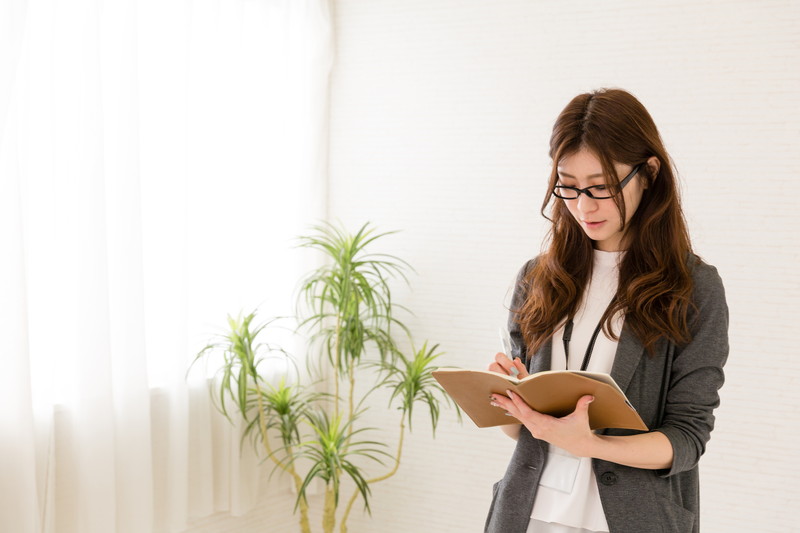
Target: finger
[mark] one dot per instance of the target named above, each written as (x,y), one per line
(525,409)
(502,402)
(581,412)
(504,362)
(494,367)
(517,404)
(520,367)
(582,407)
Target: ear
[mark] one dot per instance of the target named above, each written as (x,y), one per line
(654,165)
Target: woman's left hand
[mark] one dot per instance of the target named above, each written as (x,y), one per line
(571,433)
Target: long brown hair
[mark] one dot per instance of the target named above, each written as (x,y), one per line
(655,283)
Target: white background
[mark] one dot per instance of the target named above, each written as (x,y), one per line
(441,114)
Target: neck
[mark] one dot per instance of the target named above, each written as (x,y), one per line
(615,245)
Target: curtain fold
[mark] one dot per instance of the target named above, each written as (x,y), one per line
(18,451)
(157,159)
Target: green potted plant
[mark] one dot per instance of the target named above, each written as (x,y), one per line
(348,312)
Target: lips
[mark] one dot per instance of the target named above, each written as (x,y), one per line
(597,224)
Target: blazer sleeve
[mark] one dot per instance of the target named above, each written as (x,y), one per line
(697,374)
(518,347)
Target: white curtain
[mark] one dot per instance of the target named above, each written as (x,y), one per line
(157,157)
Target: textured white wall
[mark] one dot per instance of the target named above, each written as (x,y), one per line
(441,113)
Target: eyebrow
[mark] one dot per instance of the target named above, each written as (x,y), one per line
(587,177)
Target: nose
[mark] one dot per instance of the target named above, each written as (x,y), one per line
(586,204)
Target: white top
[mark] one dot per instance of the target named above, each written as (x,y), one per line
(567,493)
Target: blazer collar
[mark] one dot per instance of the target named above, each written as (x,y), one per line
(626,360)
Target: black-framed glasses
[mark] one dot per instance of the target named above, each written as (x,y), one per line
(598,192)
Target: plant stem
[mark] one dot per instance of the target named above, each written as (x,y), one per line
(352,387)
(329,511)
(343,525)
(305,525)
(336,366)
(397,459)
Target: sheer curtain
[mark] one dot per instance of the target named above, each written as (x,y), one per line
(157,157)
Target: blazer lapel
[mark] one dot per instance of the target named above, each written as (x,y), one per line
(541,360)
(626,360)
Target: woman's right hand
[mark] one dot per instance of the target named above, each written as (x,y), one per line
(504,365)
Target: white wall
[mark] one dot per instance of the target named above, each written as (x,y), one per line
(441,114)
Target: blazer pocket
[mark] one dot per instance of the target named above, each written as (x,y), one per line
(674,517)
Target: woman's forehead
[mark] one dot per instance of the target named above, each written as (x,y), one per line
(581,164)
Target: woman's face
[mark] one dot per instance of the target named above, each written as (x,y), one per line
(600,219)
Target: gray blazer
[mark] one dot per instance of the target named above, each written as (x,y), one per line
(675,392)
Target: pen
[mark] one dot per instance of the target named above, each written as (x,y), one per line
(505,341)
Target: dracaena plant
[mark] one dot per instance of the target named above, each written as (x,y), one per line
(265,408)
(347,311)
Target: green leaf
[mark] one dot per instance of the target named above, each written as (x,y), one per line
(411,381)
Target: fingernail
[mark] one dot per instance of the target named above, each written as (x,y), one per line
(494,404)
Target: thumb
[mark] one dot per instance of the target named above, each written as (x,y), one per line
(583,403)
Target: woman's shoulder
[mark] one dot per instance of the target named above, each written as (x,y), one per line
(705,278)
(703,274)
(700,270)
(528,265)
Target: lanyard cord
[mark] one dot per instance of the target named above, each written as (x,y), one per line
(567,336)
(589,349)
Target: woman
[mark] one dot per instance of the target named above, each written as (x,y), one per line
(617,290)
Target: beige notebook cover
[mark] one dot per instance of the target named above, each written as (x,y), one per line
(554,392)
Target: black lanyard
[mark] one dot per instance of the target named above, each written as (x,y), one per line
(589,349)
